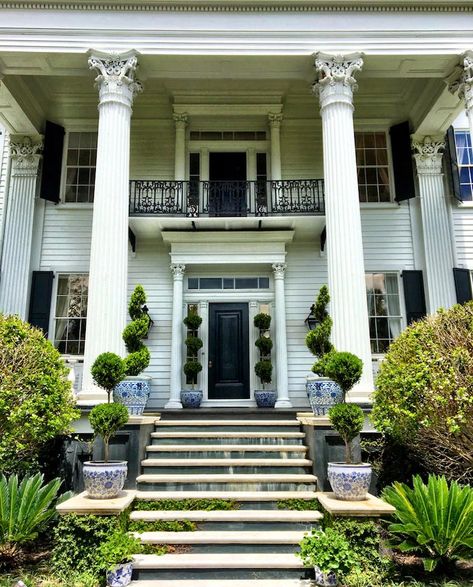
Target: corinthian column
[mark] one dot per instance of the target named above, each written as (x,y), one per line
(281,336)
(15,268)
(176,337)
(346,273)
(435,223)
(107,302)
(464,86)
(180,147)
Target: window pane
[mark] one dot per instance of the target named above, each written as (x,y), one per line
(228,283)
(70,313)
(193,283)
(264,282)
(210,283)
(246,283)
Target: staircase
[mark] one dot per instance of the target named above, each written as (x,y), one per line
(253,457)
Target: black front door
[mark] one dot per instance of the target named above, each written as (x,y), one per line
(229,376)
(227,188)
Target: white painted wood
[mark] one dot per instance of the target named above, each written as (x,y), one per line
(282,381)
(180,121)
(176,338)
(5,163)
(463,231)
(275,120)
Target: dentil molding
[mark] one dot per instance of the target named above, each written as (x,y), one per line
(428,157)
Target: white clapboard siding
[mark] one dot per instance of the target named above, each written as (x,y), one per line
(301,150)
(463,231)
(152,150)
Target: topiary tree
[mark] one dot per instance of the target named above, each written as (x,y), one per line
(135,331)
(344,368)
(264,370)
(107,371)
(106,420)
(424,395)
(347,420)
(36,401)
(318,339)
(192,366)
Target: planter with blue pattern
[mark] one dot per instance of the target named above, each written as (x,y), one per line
(133,392)
(266,398)
(191,398)
(323,393)
(325,579)
(349,482)
(104,480)
(120,575)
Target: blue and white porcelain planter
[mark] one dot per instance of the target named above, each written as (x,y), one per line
(120,575)
(323,393)
(104,480)
(191,398)
(325,579)
(266,398)
(133,392)
(349,482)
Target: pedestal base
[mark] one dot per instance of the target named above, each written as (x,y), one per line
(283,403)
(173,404)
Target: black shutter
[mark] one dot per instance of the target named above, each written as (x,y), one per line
(453,172)
(414,296)
(52,162)
(402,161)
(40,300)
(462,285)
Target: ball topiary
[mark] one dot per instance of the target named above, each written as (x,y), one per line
(133,334)
(107,371)
(347,420)
(192,321)
(265,345)
(192,369)
(344,368)
(36,401)
(106,420)
(264,370)
(262,321)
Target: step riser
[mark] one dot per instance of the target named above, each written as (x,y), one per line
(225,486)
(196,574)
(253,470)
(224,454)
(239,548)
(227,428)
(229,414)
(182,441)
(255,526)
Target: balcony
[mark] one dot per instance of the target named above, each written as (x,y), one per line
(227,199)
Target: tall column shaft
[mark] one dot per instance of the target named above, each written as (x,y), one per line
(18,236)
(346,273)
(180,147)
(283,400)
(176,338)
(275,120)
(108,273)
(436,224)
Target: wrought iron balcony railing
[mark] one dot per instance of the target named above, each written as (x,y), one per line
(227,198)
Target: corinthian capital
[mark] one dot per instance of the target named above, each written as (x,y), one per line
(463,82)
(275,119)
(116,76)
(428,156)
(335,80)
(180,118)
(25,156)
(279,270)
(178,271)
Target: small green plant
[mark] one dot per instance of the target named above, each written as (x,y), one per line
(107,371)
(299,504)
(264,370)
(344,368)
(328,550)
(434,520)
(185,504)
(162,526)
(118,549)
(193,344)
(193,321)
(264,367)
(192,367)
(347,420)
(262,321)
(106,420)
(364,537)
(318,339)
(264,345)
(134,333)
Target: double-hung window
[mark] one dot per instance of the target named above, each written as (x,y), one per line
(384,309)
(372,164)
(81,159)
(71,313)
(465,163)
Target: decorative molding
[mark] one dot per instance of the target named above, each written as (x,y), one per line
(275,119)
(279,270)
(25,156)
(464,82)
(180,118)
(335,81)
(428,157)
(178,271)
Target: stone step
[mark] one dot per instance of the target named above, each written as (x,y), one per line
(225,463)
(229,516)
(205,537)
(239,496)
(223,583)
(256,438)
(219,451)
(217,561)
(229,422)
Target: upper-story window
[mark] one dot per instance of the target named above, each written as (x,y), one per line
(70,316)
(384,309)
(465,163)
(373,166)
(81,159)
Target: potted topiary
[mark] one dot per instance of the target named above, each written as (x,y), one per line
(134,391)
(265,398)
(350,481)
(105,479)
(116,555)
(321,390)
(192,398)
(329,554)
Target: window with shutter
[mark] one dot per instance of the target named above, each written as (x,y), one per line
(52,162)
(414,295)
(40,300)
(402,161)
(462,278)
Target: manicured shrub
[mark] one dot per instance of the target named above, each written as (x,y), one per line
(318,339)
(424,397)
(193,344)
(36,402)
(262,321)
(264,345)
(344,368)
(107,371)
(329,550)
(348,420)
(193,321)
(106,420)
(134,333)
(264,370)
(434,520)
(185,504)
(193,367)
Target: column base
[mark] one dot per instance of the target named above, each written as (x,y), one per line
(91,398)
(283,403)
(173,404)
(360,396)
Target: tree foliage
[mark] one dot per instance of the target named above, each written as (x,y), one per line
(134,333)
(106,420)
(107,371)
(348,420)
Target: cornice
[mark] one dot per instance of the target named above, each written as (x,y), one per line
(246,5)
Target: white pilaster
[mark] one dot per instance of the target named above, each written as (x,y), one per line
(346,273)
(18,235)
(275,119)
(176,338)
(204,335)
(107,302)
(435,223)
(464,86)
(180,147)
(281,336)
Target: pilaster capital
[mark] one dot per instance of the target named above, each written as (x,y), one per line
(181,119)
(178,271)
(279,270)
(275,119)
(116,76)
(428,156)
(461,81)
(335,82)
(25,156)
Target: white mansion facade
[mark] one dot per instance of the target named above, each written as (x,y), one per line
(232,157)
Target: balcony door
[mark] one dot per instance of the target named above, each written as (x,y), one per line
(227,188)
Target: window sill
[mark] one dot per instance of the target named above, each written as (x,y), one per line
(467,204)
(378,205)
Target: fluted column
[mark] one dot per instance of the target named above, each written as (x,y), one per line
(346,273)
(283,401)
(464,86)
(435,223)
(180,147)
(176,338)
(107,302)
(18,236)
(275,119)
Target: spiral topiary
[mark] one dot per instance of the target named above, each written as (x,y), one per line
(133,334)
(318,340)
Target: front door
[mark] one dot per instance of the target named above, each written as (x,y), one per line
(227,188)
(229,376)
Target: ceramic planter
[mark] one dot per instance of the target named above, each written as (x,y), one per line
(266,398)
(120,575)
(133,392)
(191,398)
(350,482)
(104,480)
(325,579)
(323,393)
